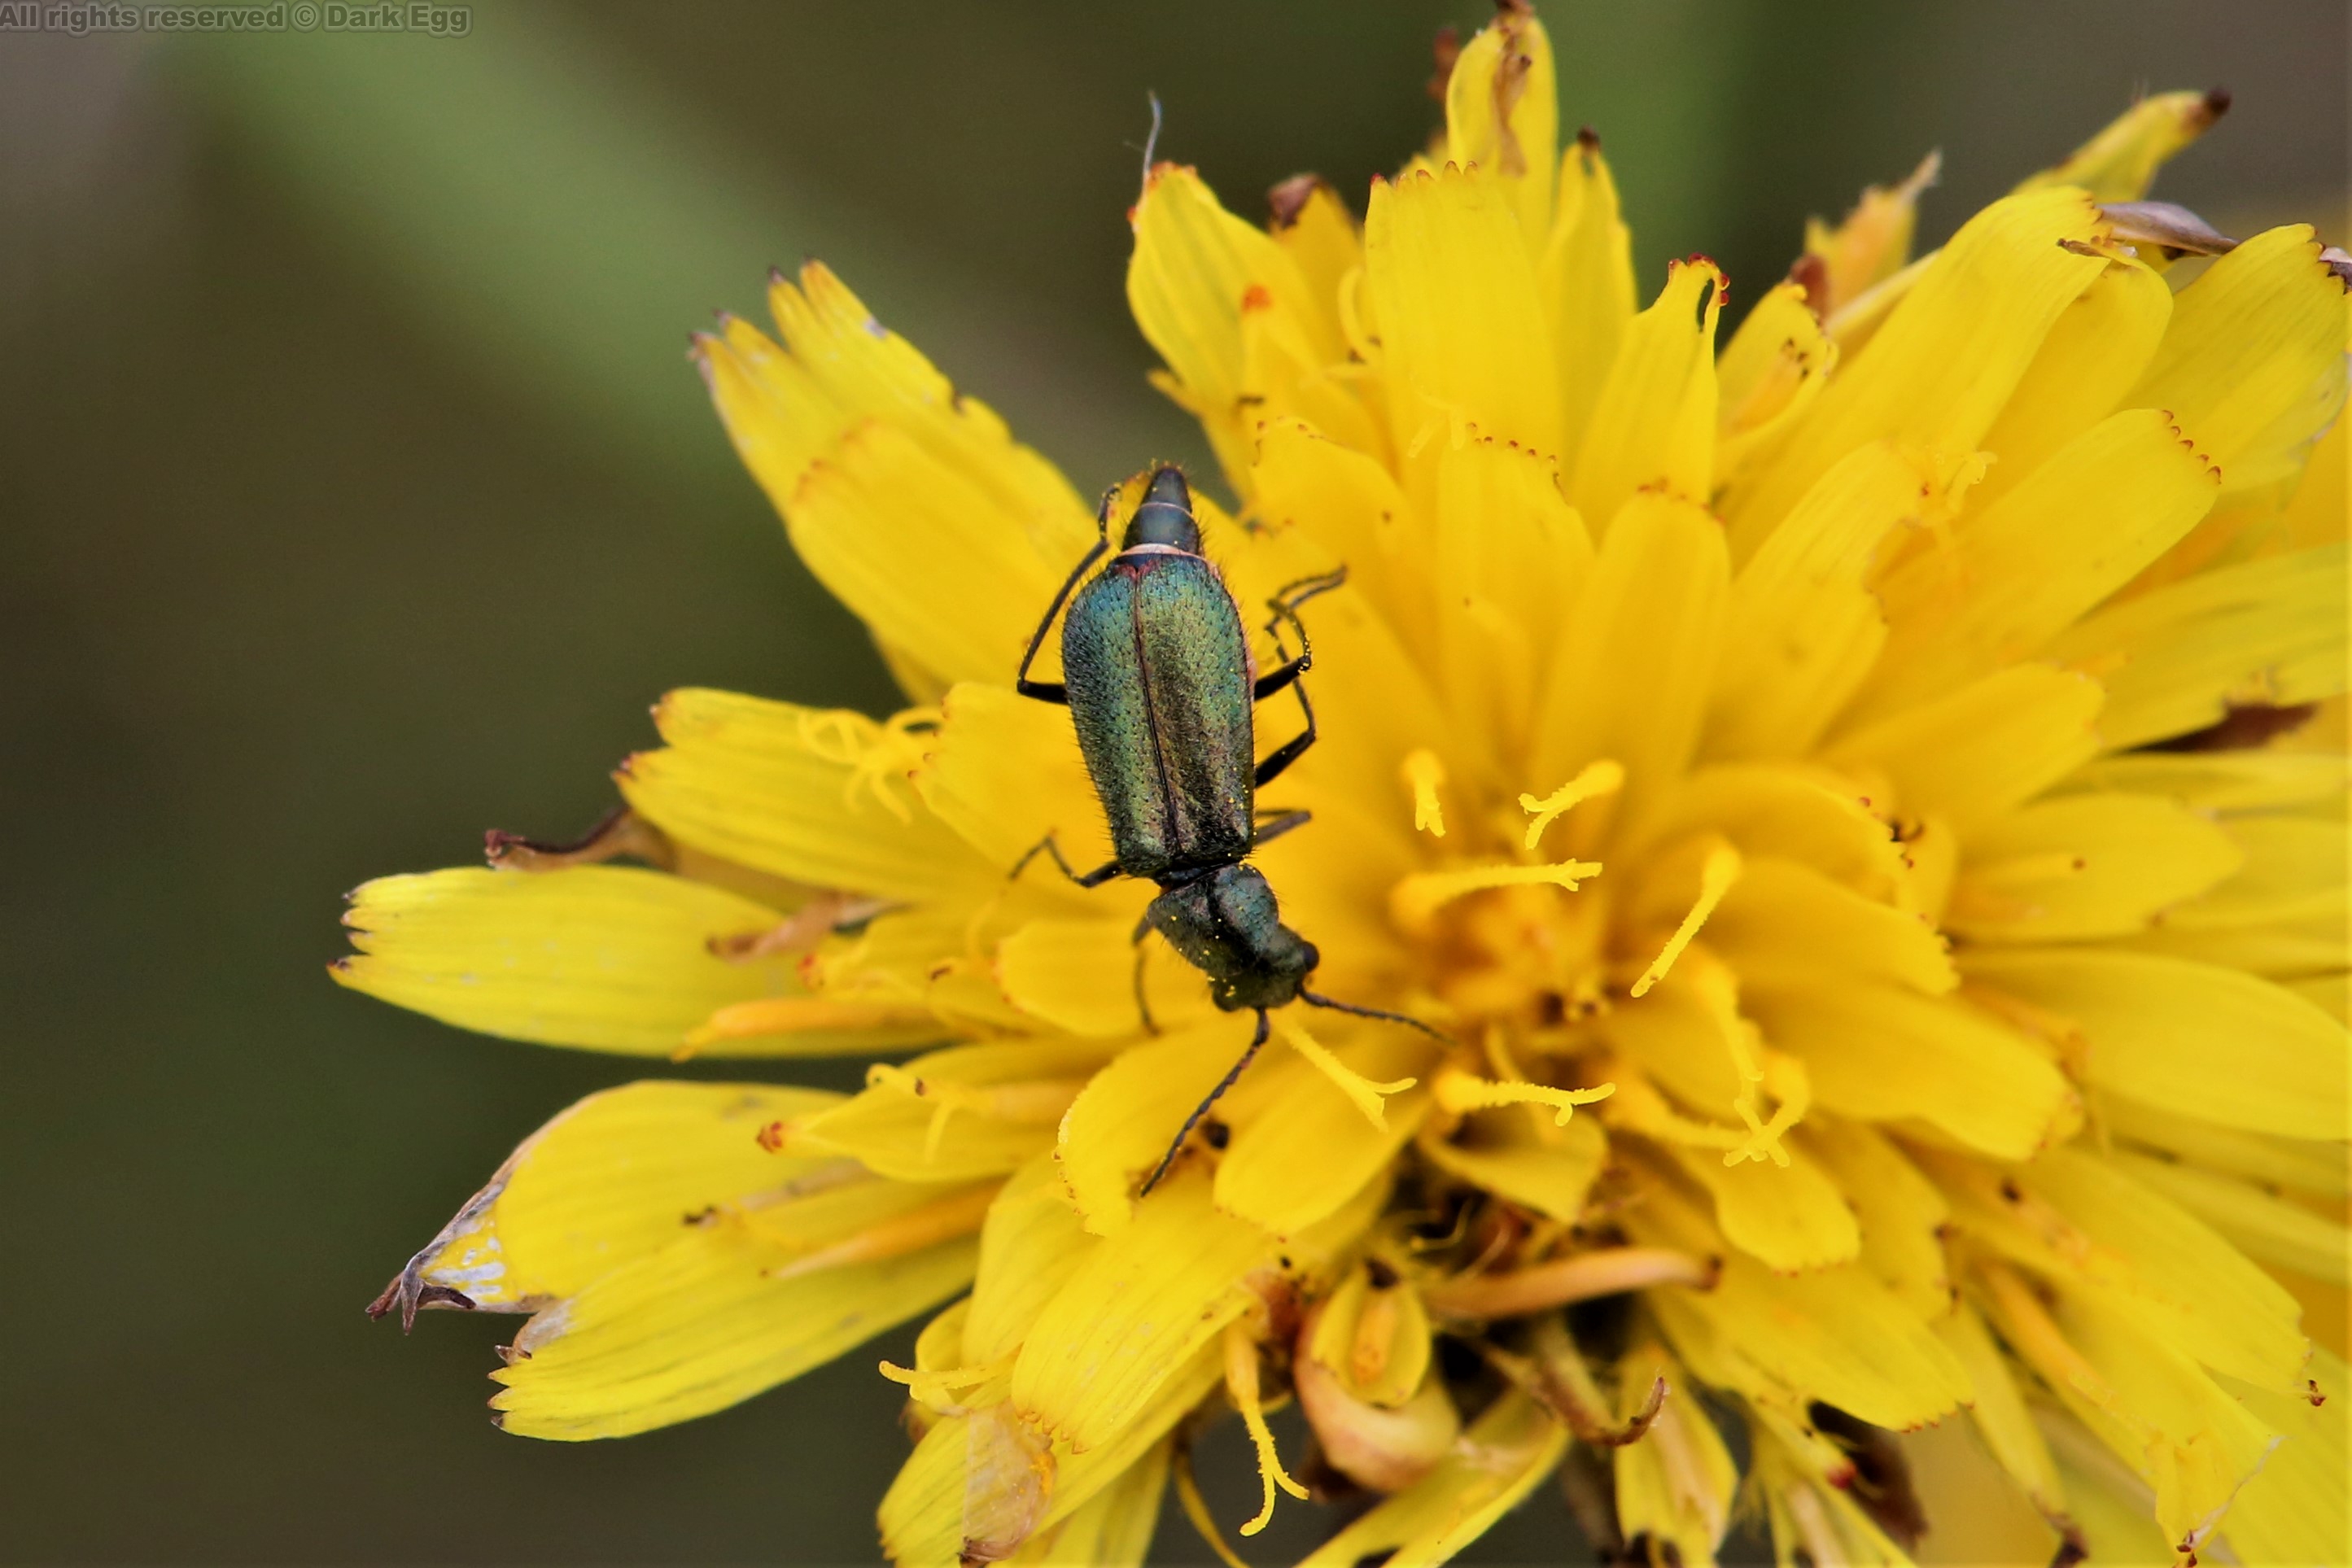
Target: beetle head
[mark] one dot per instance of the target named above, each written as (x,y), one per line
(1225,923)
(1165,515)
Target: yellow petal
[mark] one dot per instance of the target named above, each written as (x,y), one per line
(1800,812)
(1999,1409)
(1349,503)
(1509,552)
(2252,364)
(1003,771)
(1834,1334)
(1463,336)
(958,1114)
(1801,630)
(2023,568)
(2294,1511)
(894,488)
(609,958)
(1502,113)
(2190,1037)
(2173,661)
(2086,865)
(1505,1453)
(1768,375)
(1651,612)
(1784,921)
(1790,1217)
(1029,1246)
(2119,162)
(2222,780)
(1192,277)
(922,1515)
(2172,1272)
(1136,1310)
(1586,281)
(2158,1409)
(1900,1212)
(1505,1152)
(1981,750)
(1111,1530)
(1076,974)
(2289,869)
(816,795)
(1871,245)
(1675,1486)
(1300,1147)
(703,1324)
(606,1182)
(1879,1054)
(2314,1166)
(1654,427)
(2265,1228)
(1938,373)
(1323,240)
(1120,1126)
(2097,351)
(932,562)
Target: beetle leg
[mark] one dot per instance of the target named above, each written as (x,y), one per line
(1056,691)
(1258,1039)
(1095,878)
(1285,604)
(1265,832)
(1291,750)
(1143,999)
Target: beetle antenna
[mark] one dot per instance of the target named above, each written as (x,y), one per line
(1193,1121)
(1313,1000)
(1151,142)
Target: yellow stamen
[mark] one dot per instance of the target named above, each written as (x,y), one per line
(1605,777)
(1424,773)
(1717,991)
(1507,1070)
(1785,1076)
(895,1238)
(872,752)
(1241,1387)
(1366,1094)
(1459,1092)
(947,1388)
(1642,1109)
(1611,1270)
(1715,880)
(1417,897)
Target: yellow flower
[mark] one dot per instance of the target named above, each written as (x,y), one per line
(1887,768)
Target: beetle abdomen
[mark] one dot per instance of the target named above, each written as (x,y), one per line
(1158,671)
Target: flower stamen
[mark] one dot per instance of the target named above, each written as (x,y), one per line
(1241,1387)
(1715,879)
(1605,776)
(1422,774)
(1459,1092)
(1366,1094)
(1417,897)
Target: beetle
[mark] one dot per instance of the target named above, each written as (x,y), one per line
(1157,674)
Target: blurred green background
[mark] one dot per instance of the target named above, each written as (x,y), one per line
(357,498)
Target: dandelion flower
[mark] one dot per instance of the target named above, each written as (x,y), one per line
(1859,801)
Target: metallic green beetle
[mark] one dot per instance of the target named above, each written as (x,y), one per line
(1157,677)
